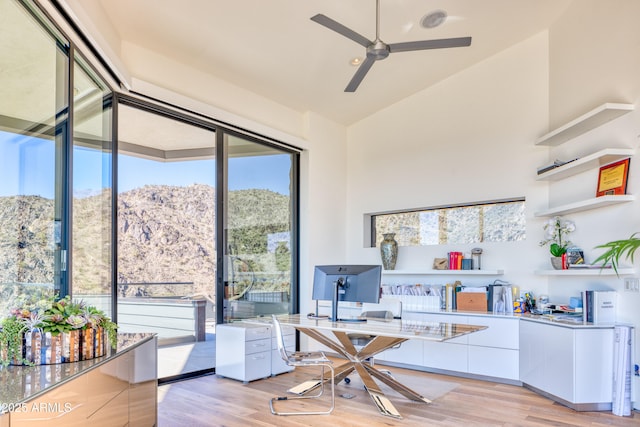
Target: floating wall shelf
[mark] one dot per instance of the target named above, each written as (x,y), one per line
(430,272)
(584,205)
(585,123)
(597,159)
(586,272)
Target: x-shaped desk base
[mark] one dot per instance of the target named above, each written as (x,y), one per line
(357,360)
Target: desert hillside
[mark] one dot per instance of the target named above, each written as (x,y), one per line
(165,234)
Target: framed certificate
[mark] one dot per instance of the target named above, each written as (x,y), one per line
(612,179)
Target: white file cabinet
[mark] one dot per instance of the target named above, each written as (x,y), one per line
(278,365)
(243,351)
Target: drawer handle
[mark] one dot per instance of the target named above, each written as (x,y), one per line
(258,357)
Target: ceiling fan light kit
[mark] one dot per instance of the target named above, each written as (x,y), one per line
(377,49)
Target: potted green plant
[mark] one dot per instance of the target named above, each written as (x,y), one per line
(616,250)
(555,233)
(34,323)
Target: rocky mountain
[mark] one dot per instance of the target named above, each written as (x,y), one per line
(165,234)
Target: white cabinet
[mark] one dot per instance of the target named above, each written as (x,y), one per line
(495,351)
(248,351)
(573,129)
(492,352)
(243,351)
(571,365)
(278,365)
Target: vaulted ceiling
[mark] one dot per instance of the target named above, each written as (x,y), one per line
(274,49)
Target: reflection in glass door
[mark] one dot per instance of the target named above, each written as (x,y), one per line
(91,213)
(33,119)
(259,229)
(166,237)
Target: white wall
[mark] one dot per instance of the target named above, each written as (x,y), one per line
(594,58)
(469,138)
(323,201)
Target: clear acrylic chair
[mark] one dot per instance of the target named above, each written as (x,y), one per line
(316,358)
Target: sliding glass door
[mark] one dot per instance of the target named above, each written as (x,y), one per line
(258,228)
(166,236)
(33,127)
(91,251)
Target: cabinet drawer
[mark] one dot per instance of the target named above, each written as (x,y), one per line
(289,342)
(409,352)
(115,413)
(257,332)
(257,346)
(107,382)
(278,365)
(494,362)
(500,333)
(445,355)
(63,406)
(257,365)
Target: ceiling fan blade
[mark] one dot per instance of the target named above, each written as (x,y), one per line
(341,29)
(362,71)
(430,44)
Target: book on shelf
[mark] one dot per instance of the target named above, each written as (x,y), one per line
(451,293)
(455,260)
(599,306)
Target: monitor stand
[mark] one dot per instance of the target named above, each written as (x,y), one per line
(334,304)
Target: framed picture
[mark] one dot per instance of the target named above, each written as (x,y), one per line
(612,179)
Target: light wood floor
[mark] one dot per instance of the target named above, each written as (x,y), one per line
(216,401)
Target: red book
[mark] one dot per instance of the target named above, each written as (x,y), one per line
(455,260)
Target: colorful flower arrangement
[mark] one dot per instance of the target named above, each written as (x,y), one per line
(48,317)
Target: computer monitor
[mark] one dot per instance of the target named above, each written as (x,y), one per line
(353,283)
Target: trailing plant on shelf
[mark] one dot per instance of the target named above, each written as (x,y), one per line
(616,250)
(52,315)
(555,232)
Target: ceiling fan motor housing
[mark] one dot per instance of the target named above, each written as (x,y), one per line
(378,50)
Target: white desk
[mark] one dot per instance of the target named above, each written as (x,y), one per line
(386,334)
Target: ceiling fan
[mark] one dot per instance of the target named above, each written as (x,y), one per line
(377,49)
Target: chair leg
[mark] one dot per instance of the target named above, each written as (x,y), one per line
(315,396)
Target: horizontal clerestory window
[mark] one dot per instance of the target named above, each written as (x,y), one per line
(495,221)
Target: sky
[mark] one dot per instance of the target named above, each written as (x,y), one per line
(27,167)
